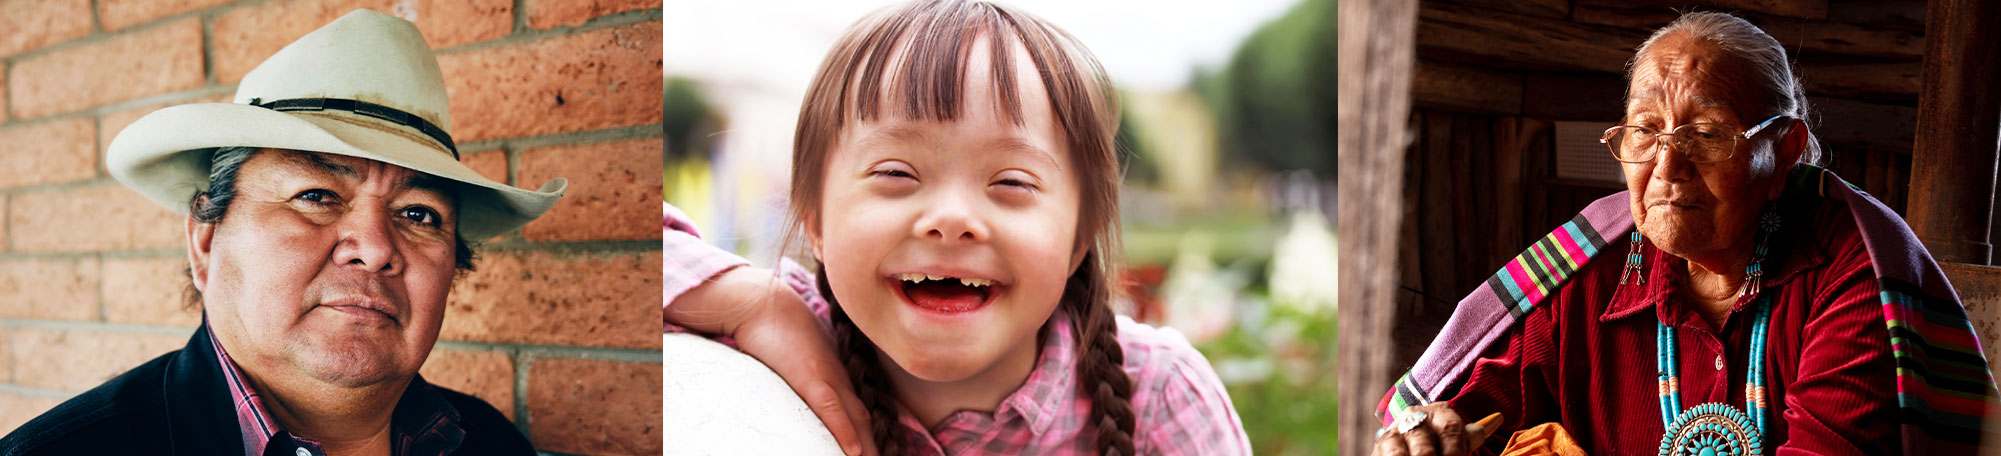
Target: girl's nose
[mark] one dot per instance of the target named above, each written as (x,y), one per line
(952,219)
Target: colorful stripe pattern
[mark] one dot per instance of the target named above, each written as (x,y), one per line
(1518,286)
(1546,264)
(1943,384)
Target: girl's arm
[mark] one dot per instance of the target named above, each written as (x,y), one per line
(692,263)
(713,292)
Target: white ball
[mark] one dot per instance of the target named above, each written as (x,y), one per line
(719,401)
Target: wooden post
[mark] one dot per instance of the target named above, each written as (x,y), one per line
(1376,54)
(1959,117)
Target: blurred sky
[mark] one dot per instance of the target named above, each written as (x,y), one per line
(1146,45)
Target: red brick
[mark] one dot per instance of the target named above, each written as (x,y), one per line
(614,190)
(49,288)
(89,219)
(17,409)
(156,60)
(594,407)
(6,366)
(589,299)
(245,36)
(110,124)
(491,163)
(79,359)
(147,291)
(588,81)
(118,14)
(483,374)
(544,14)
(37,23)
(48,152)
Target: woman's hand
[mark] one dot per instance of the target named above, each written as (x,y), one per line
(771,323)
(1441,432)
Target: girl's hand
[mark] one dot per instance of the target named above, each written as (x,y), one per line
(772,324)
(1440,432)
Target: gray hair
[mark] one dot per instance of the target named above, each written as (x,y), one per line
(1776,90)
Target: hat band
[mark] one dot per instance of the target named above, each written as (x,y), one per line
(392,115)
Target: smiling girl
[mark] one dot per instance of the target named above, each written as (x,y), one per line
(955,175)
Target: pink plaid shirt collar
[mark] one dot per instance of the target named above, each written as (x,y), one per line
(1042,400)
(437,432)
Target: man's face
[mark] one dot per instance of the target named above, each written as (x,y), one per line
(328,268)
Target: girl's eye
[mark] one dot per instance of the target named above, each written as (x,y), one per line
(892,173)
(1014,180)
(317,196)
(421,214)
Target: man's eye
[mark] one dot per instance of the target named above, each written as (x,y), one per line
(317,196)
(420,214)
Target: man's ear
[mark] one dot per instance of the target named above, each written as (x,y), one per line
(1787,151)
(201,237)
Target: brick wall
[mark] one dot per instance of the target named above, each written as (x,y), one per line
(557,329)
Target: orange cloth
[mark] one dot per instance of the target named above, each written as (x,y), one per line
(1544,440)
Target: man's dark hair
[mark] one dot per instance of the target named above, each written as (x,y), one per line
(209,206)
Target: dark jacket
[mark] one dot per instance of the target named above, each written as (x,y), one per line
(177,404)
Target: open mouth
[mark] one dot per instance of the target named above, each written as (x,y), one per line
(946,294)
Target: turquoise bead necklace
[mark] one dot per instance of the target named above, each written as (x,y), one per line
(1717,429)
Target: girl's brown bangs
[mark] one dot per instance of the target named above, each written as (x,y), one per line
(914,64)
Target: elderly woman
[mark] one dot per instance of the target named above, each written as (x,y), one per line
(1787,311)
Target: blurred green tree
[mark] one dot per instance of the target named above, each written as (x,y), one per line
(1134,158)
(1275,98)
(687,119)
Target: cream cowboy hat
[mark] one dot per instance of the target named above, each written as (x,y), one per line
(365,85)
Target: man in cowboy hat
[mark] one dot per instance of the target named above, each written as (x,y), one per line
(328,215)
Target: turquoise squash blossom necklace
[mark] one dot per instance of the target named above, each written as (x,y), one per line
(1717,429)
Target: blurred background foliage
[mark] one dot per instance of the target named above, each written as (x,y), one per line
(1275,99)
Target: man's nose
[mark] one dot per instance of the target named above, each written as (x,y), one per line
(368,241)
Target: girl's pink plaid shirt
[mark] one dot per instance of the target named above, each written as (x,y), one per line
(1181,406)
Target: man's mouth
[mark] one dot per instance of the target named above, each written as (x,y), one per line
(946,294)
(364,309)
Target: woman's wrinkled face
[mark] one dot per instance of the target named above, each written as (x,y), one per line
(948,243)
(1687,209)
(327,268)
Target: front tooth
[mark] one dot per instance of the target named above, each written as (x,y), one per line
(975,282)
(934,277)
(910,277)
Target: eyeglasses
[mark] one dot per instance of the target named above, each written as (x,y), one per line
(1701,142)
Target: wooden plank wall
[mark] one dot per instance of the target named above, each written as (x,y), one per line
(1493,76)
(1376,56)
